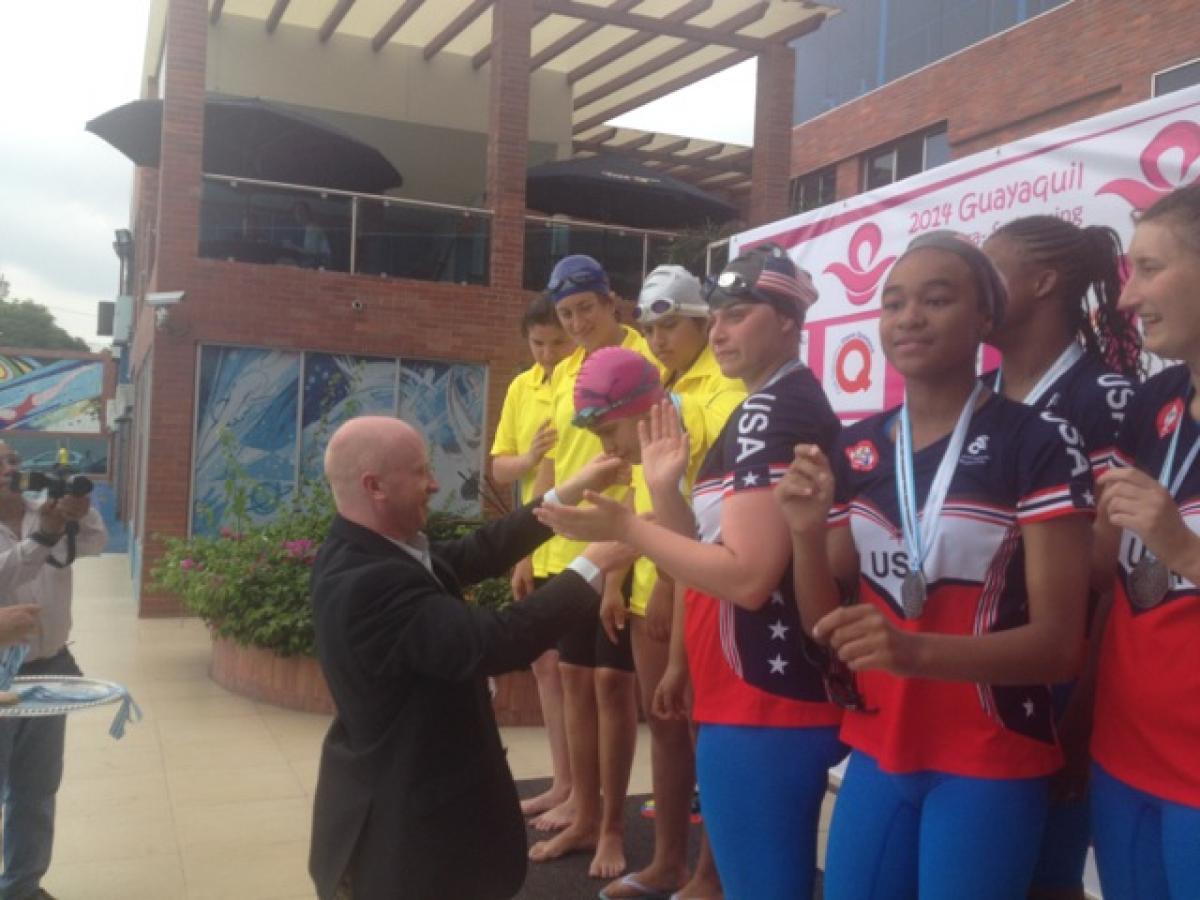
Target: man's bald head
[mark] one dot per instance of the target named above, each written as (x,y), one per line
(378,470)
(367,444)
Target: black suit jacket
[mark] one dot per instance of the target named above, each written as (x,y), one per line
(414,797)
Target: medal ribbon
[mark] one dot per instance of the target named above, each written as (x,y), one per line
(918,543)
(1066,359)
(1164,476)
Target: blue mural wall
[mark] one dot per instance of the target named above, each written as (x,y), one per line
(269,413)
(445,400)
(337,388)
(50,394)
(246,416)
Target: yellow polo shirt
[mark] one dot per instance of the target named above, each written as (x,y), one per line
(717,395)
(527,404)
(577,446)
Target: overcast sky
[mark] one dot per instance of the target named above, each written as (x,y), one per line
(63,191)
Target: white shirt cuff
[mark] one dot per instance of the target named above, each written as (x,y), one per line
(588,571)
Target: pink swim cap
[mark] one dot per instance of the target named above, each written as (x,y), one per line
(614,383)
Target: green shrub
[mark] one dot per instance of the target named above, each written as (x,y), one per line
(251,584)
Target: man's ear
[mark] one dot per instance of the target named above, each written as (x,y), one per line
(370,484)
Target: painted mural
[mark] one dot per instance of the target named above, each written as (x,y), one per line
(445,400)
(44,394)
(246,417)
(335,389)
(267,415)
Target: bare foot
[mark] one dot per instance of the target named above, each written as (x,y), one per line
(572,840)
(545,801)
(658,881)
(556,819)
(609,861)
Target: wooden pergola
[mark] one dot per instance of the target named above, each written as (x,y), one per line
(617,55)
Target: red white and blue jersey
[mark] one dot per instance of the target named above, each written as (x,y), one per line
(749,667)
(1018,466)
(1094,399)
(1147,723)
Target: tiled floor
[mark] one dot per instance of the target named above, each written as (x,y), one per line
(210,795)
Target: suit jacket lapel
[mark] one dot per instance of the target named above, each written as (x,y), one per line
(378,544)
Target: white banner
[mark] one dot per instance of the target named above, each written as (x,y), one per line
(1094,172)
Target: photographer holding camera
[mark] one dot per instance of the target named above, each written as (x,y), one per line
(38,541)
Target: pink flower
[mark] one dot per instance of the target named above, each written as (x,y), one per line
(187,564)
(299,549)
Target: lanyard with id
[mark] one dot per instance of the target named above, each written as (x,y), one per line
(1150,579)
(1060,366)
(921,531)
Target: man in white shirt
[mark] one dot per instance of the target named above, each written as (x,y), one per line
(33,537)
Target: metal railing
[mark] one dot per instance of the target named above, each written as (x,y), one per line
(628,254)
(249,220)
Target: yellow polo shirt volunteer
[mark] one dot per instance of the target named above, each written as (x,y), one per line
(645,573)
(577,446)
(717,395)
(527,405)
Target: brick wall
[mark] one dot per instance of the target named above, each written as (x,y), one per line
(299,309)
(1078,60)
(285,308)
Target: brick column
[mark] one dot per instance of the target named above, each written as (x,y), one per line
(179,168)
(508,138)
(772,134)
(176,239)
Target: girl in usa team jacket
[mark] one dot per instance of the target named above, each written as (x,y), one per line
(962,524)
(1146,739)
(1060,353)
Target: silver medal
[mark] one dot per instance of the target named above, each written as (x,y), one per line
(1149,582)
(913,592)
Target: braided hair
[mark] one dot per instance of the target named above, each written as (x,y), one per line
(1086,259)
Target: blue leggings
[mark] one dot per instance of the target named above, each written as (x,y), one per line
(762,790)
(1146,847)
(952,836)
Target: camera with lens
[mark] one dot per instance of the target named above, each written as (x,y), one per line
(55,485)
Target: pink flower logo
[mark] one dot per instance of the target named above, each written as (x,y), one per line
(859,277)
(1182,138)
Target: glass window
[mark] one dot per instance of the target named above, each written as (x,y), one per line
(814,190)
(937,149)
(910,155)
(872,42)
(1177,79)
(881,169)
(907,156)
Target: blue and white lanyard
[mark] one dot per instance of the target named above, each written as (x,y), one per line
(1164,475)
(1066,359)
(918,543)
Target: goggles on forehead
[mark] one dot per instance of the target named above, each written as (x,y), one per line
(582,278)
(590,416)
(665,306)
(735,285)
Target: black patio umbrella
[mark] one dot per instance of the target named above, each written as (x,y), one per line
(250,138)
(619,191)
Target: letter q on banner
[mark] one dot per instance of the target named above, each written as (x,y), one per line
(853,365)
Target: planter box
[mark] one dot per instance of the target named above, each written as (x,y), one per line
(296,682)
(516,701)
(293,682)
